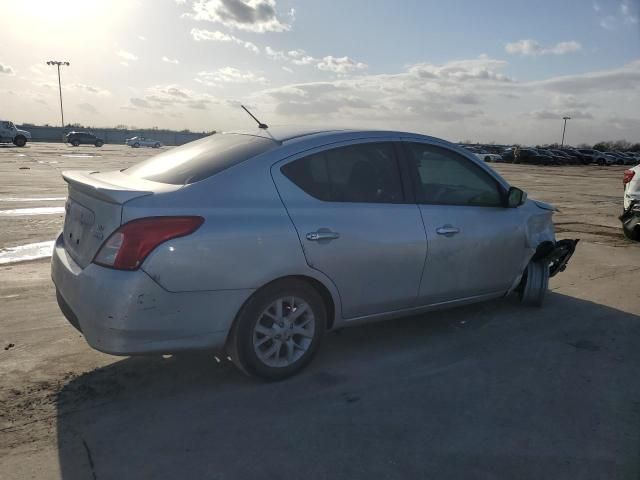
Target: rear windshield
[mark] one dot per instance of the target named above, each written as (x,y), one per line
(201,159)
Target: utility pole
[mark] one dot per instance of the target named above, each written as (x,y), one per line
(58,64)
(564,128)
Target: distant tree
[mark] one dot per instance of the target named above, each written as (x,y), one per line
(584,145)
(602,146)
(621,145)
(121,127)
(635,147)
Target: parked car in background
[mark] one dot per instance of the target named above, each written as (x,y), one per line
(488,157)
(630,217)
(555,158)
(259,243)
(507,155)
(532,156)
(83,138)
(10,134)
(568,157)
(594,156)
(136,142)
(629,158)
(619,158)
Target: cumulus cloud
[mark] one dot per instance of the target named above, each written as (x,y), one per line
(161,97)
(337,65)
(199,34)
(229,75)
(174,61)
(530,47)
(128,56)
(250,15)
(629,13)
(6,69)
(340,65)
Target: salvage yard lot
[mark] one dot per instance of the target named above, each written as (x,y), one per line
(494,390)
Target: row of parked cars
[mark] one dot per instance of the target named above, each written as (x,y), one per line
(552,156)
(86,138)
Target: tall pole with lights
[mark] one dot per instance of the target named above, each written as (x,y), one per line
(564,128)
(59,64)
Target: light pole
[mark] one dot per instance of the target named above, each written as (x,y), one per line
(563,129)
(58,64)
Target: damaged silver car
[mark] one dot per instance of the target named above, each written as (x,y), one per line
(258,243)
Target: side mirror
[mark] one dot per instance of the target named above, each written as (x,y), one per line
(515,197)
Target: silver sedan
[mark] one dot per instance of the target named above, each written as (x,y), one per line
(258,243)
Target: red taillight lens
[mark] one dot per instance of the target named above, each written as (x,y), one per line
(628,176)
(128,246)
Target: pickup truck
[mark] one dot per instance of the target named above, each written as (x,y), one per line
(10,134)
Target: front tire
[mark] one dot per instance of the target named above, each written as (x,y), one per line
(99,143)
(75,143)
(156,145)
(20,141)
(136,145)
(534,284)
(278,330)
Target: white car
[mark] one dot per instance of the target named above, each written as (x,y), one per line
(136,142)
(631,203)
(489,157)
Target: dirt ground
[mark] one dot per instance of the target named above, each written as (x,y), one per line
(488,391)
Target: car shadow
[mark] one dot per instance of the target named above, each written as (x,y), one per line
(494,390)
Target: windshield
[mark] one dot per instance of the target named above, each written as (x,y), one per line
(198,160)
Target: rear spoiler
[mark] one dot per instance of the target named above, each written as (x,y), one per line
(112,187)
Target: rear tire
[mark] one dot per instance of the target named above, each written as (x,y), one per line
(99,143)
(75,143)
(273,342)
(136,145)
(156,145)
(20,141)
(535,282)
(632,233)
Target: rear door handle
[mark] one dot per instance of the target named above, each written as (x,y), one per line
(448,230)
(322,235)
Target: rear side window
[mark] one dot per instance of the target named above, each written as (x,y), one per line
(364,173)
(447,178)
(201,159)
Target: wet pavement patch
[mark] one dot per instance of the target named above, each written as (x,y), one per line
(24,212)
(22,253)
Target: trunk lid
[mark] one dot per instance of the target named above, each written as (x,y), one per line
(93,210)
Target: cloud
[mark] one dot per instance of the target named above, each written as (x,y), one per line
(199,35)
(229,75)
(532,48)
(87,107)
(87,88)
(558,114)
(628,15)
(6,69)
(337,65)
(340,65)
(127,55)
(481,68)
(626,78)
(571,101)
(596,6)
(170,60)
(142,37)
(160,97)
(250,15)
(608,22)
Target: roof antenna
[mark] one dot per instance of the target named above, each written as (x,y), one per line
(261,125)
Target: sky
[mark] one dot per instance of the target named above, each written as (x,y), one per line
(473,70)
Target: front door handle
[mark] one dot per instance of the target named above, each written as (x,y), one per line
(322,235)
(448,230)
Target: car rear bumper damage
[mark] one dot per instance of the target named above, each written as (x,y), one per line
(127,312)
(630,219)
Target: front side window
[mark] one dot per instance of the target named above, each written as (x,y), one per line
(363,173)
(444,177)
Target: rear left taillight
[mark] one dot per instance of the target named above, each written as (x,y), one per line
(628,176)
(128,246)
